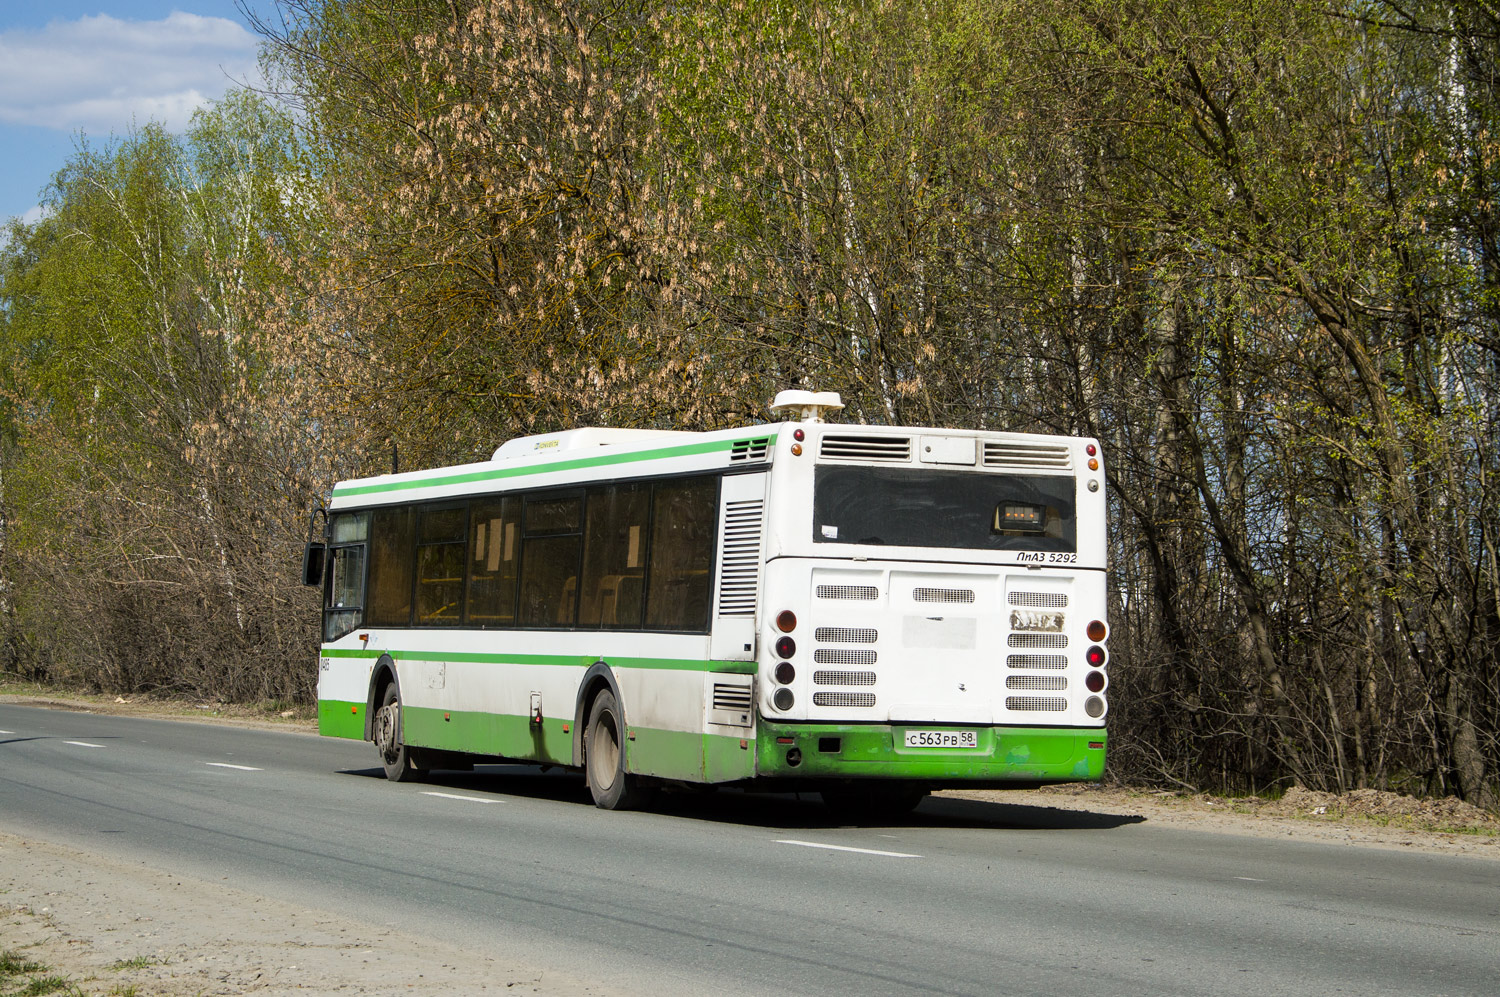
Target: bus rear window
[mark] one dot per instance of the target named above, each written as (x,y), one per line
(955,509)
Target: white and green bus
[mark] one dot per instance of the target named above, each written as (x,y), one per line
(871,612)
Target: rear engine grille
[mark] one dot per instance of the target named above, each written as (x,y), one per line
(942,595)
(845,635)
(1026,455)
(881,448)
(1037,640)
(844,699)
(842,656)
(1039,600)
(1057,661)
(1043,704)
(848,592)
(843,678)
(1037,683)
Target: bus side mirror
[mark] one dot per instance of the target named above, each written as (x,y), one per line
(312,564)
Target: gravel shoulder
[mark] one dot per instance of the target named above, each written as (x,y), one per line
(115,928)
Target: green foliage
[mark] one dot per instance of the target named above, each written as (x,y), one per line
(1251,247)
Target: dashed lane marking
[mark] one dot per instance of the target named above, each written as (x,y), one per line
(847,848)
(455,796)
(84,744)
(237,768)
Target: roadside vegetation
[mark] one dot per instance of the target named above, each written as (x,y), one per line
(1253,249)
(21,977)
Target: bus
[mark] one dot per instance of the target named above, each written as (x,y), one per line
(869,612)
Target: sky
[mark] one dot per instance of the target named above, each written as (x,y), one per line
(98,68)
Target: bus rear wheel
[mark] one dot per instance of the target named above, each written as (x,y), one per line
(604,758)
(400,765)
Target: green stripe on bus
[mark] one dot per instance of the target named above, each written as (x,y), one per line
(668,754)
(877,751)
(498,473)
(566,660)
(340,718)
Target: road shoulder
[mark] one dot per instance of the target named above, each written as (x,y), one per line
(113,927)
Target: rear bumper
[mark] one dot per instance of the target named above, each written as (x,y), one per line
(879,751)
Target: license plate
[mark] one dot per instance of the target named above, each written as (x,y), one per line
(942,739)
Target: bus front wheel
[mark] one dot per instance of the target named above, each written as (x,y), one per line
(394,755)
(604,757)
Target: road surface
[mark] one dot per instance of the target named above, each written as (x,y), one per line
(744,894)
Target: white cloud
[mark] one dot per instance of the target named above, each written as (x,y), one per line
(102,75)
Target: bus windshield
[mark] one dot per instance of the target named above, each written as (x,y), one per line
(953,509)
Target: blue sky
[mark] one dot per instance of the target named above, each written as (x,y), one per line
(98,67)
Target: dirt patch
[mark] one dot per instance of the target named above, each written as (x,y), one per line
(116,928)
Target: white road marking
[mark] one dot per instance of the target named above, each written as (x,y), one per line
(1247,879)
(7,732)
(238,768)
(846,848)
(455,796)
(84,744)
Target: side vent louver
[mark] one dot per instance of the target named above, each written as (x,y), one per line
(739,561)
(731,697)
(1026,455)
(881,448)
(749,450)
(732,703)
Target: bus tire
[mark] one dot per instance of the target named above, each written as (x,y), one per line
(872,801)
(604,757)
(398,759)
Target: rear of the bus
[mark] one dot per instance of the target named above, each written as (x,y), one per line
(933,608)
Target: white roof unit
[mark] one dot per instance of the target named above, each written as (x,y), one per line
(809,405)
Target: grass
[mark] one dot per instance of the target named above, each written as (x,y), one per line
(13,965)
(139,962)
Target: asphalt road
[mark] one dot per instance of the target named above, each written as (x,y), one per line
(743,894)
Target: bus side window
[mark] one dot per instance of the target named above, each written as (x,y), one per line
(684,519)
(494,540)
(614,556)
(392,536)
(344,608)
(549,561)
(441,537)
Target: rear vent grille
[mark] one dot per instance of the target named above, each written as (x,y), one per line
(1039,600)
(842,656)
(848,592)
(862,699)
(1037,640)
(731,697)
(1037,683)
(739,561)
(750,449)
(845,635)
(1026,455)
(843,678)
(1042,704)
(1056,661)
(943,595)
(882,448)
